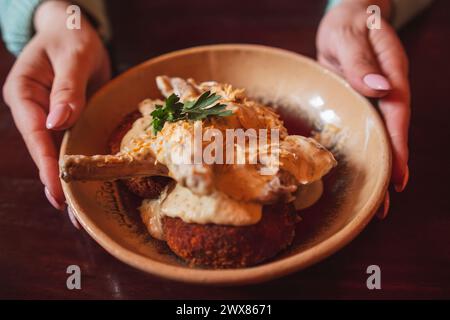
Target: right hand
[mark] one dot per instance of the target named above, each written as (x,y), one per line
(47,87)
(375,64)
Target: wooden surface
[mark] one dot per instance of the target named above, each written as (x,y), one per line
(412,246)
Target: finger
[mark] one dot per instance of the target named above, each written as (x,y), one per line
(26,91)
(395,107)
(384,209)
(73,218)
(359,64)
(30,120)
(29,80)
(396,114)
(67,97)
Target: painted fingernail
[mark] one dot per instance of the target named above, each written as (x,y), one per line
(376,82)
(58,116)
(401,187)
(386,204)
(72,217)
(52,200)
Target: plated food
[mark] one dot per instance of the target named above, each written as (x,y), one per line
(307,96)
(236,208)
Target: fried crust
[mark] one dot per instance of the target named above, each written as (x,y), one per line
(220,246)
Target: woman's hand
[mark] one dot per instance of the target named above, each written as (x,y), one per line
(375,64)
(47,86)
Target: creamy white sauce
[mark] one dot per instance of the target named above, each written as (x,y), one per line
(179,202)
(152,215)
(217,208)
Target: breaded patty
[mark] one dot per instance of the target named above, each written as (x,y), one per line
(219,246)
(211,245)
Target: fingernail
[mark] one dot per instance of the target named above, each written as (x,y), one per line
(401,187)
(52,200)
(376,82)
(72,217)
(386,204)
(58,116)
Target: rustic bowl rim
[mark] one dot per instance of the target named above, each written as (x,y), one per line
(265,271)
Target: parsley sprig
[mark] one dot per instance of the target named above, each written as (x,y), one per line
(173,110)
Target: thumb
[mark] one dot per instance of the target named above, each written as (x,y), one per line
(68,93)
(359,65)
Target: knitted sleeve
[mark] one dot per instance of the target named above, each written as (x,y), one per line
(16,20)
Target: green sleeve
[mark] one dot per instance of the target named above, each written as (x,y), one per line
(16,20)
(16,23)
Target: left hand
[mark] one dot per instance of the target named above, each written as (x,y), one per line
(48,86)
(375,64)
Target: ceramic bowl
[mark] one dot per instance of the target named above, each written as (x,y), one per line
(304,93)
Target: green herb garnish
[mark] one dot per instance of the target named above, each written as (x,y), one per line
(174,110)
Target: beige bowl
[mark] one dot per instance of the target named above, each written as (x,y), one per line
(302,90)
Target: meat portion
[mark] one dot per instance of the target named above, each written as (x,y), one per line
(260,161)
(114,166)
(108,167)
(221,246)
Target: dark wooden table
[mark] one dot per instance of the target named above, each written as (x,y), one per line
(412,246)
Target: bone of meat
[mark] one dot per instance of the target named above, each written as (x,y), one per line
(108,167)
